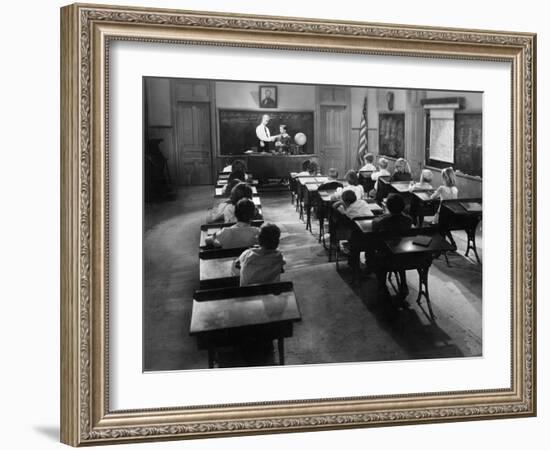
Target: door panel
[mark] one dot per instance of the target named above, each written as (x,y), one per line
(334,137)
(194,145)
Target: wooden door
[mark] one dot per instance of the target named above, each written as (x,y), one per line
(334,130)
(194,146)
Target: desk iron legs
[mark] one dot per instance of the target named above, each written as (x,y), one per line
(281,348)
(471,237)
(423,289)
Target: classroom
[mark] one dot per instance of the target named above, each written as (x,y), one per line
(291,224)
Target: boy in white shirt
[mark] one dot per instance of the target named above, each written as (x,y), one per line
(369,164)
(242,234)
(383,172)
(425,182)
(262,264)
(353,207)
(353,185)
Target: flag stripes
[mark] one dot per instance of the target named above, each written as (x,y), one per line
(363,144)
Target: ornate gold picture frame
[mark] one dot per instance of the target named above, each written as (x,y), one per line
(87,32)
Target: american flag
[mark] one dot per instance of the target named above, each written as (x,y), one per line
(363,145)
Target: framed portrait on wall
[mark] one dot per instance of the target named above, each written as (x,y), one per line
(160,114)
(268,97)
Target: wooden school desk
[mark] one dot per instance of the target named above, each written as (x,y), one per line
(366,180)
(240,315)
(339,223)
(302,182)
(408,255)
(400,187)
(422,205)
(462,214)
(216,267)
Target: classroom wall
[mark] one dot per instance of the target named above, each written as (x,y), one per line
(409,102)
(246,96)
(473,101)
(300,97)
(159,123)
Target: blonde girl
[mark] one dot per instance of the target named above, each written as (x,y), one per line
(448,190)
(402,171)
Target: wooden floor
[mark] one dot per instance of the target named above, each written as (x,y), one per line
(340,322)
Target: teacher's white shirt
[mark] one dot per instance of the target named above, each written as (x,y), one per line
(263,133)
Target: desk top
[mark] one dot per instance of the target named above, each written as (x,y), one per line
(401,186)
(406,245)
(312,179)
(365,225)
(211,269)
(374,207)
(243,311)
(206,234)
(221,182)
(424,196)
(463,207)
(312,186)
(218,192)
(326,195)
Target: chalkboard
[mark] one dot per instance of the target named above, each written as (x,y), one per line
(468,143)
(391,135)
(468,149)
(238,128)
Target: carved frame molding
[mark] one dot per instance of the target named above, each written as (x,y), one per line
(86,32)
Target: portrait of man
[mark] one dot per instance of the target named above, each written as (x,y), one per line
(268,96)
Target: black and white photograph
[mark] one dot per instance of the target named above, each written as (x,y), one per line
(344,227)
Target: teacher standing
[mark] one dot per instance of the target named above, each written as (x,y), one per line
(263,133)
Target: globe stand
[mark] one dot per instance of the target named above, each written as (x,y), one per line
(300,139)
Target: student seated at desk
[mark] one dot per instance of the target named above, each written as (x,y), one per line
(226,210)
(393,222)
(242,234)
(369,164)
(226,190)
(309,169)
(332,175)
(262,264)
(351,206)
(402,171)
(382,172)
(353,185)
(448,190)
(425,182)
(238,171)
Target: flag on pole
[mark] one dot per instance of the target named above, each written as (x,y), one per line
(362,148)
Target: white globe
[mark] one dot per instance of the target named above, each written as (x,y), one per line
(300,138)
